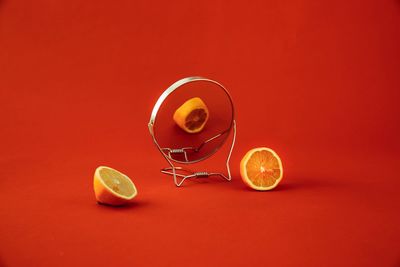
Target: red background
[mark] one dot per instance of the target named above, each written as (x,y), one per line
(317,81)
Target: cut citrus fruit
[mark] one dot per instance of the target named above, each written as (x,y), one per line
(112,187)
(261,169)
(192,115)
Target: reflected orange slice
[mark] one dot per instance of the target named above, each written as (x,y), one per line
(113,187)
(192,116)
(261,169)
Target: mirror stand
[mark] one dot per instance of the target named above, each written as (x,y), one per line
(181,174)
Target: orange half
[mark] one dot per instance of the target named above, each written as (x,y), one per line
(261,169)
(192,115)
(112,187)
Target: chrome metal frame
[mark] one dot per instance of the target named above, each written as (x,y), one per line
(172,170)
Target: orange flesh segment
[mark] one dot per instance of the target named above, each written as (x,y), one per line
(263,169)
(117,182)
(195,119)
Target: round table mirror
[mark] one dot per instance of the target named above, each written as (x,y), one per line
(191,120)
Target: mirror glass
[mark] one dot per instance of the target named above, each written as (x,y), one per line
(192,119)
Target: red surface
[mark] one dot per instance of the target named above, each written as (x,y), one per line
(318,81)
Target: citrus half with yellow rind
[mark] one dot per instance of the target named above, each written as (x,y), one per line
(192,115)
(113,187)
(261,169)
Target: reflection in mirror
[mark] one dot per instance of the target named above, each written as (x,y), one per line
(191,120)
(181,154)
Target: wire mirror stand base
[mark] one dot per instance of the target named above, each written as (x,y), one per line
(181,174)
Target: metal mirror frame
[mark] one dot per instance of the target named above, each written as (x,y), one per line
(172,170)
